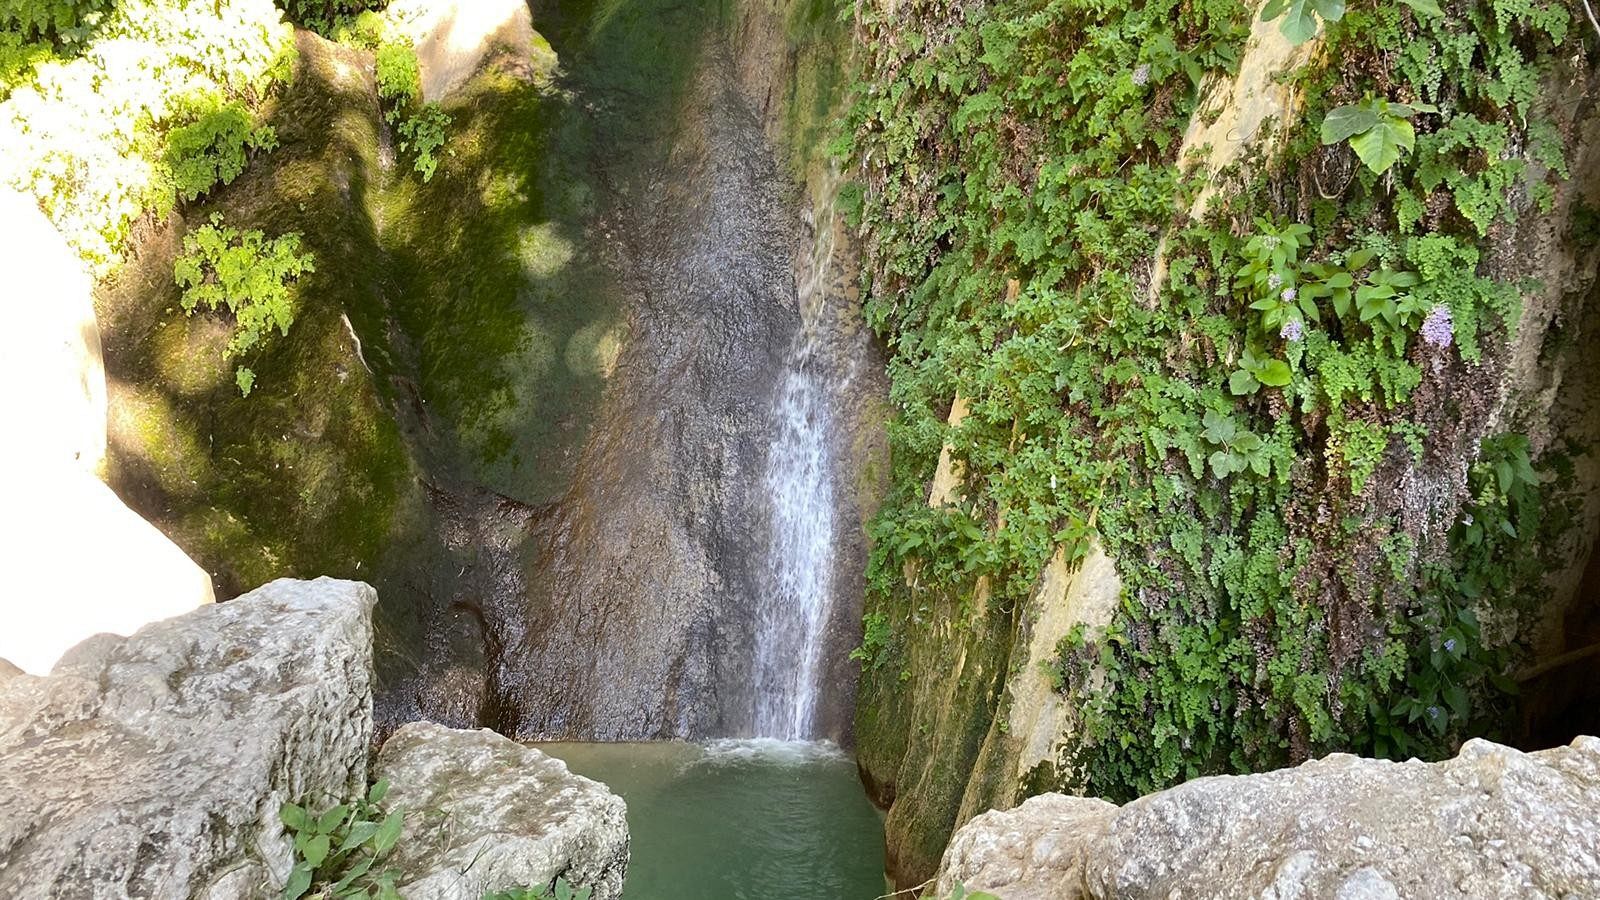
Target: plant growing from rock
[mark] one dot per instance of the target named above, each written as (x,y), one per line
(1376,129)
(213,145)
(339,850)
(422,126)
(246,274)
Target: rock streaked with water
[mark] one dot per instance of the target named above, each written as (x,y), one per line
(1493,822)
(154,766)
(486,814)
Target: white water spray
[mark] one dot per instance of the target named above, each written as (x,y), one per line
(794,613)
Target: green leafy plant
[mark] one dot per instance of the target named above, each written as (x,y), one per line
(876,639)
(422,126)
(1258,369)
(1237,450)
(325,16)
(97,158)
(561,891)
(338,851)
(61,20)
(18,56)
(245,274)
(213,145)
(398,75)
(1376,129)
(1300,16)
(422,134)
(1019,181)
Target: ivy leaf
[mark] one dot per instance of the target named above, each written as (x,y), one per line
(1219,428)
(1344,122)
(1426,7)
(1274,373)
(1329,10)
(1379,147)
(1300,25)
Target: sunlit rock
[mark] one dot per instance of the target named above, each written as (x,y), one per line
(1493,822)
(154,766)
(454,38)
(486,814)
(80,562)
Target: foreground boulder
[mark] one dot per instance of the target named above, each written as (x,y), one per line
(485,814)
(1493,822)
(154,765)
(52,378)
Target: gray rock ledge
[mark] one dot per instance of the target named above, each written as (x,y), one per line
(154,765)
(485,813)
(1493,822)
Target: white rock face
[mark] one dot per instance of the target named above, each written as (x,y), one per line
(51,373)
(485,813)
(454,37)
(1493,822)
(78,561)
(154,766)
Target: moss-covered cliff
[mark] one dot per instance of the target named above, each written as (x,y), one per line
(1242,410)
(442,365)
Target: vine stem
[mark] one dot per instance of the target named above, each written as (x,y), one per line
(1592,21)
(908,890)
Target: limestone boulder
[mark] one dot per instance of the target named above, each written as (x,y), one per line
(484,814)
(154,765)
(1493,822)
(78,561)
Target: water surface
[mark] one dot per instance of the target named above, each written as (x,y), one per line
(740,820)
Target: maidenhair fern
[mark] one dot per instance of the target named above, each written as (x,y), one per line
(245,274)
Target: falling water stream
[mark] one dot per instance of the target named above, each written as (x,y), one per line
(794,613)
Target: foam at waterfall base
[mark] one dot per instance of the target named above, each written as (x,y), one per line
(736,751)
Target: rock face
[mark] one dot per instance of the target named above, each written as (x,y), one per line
(53,383)
(153,766)
(1493,822)
(496,815)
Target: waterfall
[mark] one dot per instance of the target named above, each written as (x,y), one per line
(793,613)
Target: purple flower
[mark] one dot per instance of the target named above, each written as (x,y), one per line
(1292,331)
(1433,712)
(1274,281)
(1450,645)
(1289,294)
(1437,329)
(1141,75)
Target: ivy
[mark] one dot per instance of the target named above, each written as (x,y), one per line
(1376,129)
(1227,405)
